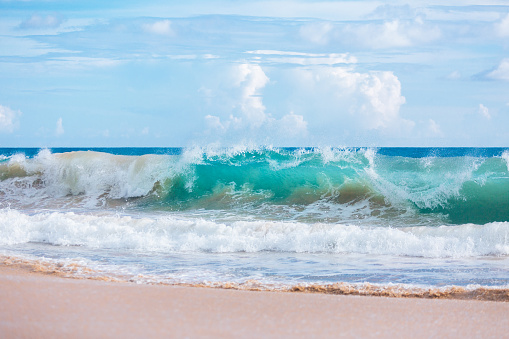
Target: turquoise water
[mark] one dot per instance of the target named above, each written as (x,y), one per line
(421,216)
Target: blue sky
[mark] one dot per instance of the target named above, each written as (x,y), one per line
(282,73)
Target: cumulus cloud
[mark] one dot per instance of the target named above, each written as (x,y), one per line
(37,21)
(162,27)
(251,79)
(60,127)
(338,98)
(373,99)
(382,91)
(8,119)
(250,115)
(501,72)
(483,111)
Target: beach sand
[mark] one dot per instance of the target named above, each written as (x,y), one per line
(35,305)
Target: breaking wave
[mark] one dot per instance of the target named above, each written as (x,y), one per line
(326,185)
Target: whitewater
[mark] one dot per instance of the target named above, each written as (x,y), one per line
(277,218)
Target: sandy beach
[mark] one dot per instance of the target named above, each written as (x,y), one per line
(35,305)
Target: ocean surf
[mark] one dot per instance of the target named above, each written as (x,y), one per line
(279,218)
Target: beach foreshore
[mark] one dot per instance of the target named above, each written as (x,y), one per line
(35,305)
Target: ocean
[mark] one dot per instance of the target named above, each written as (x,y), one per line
(383,221)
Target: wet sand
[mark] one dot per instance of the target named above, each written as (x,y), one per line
(35,305)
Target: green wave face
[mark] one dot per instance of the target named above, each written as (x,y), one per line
(453,189)
(463,189)
(275,177)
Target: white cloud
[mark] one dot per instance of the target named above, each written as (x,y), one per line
(502,26)
(298,58)
(214,123)
(455,75)
(182,57)
(322,9)
(25,47)
(382,91)
(501,72)
(388,11)
(483,110)
(276,52)
(434,128)
(383,99)
(317,33)
(395,33)
(373,99)
(81,62)
(292,125)
(359,102)
(330,60)
(60,128)
(37,21)
(210,56)
(250,79)
(304,59)
(145,131)
(162,27)
(8,119)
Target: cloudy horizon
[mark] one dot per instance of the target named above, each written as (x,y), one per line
(282,73)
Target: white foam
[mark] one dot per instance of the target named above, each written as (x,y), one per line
(505,156)
(171,233)
(196,154)
(91,174)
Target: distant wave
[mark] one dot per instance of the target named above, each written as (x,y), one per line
(328,185)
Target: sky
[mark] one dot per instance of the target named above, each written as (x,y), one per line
(282,73)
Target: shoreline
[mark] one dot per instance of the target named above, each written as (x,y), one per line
(76,271)
(47,306)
